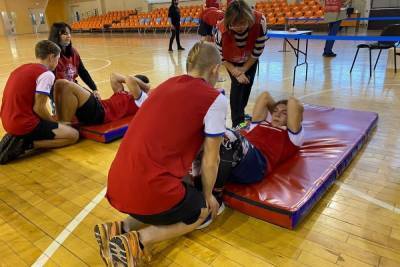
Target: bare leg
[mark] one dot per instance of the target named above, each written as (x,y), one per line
(68,97)
(153,234)
(264,104)
(65,135)
(131,224)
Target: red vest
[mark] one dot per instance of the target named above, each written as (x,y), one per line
(273,142)
(118,106)
(230,51)
(67,67)
(212,3)
(158,149)
(212,15)
(17,113)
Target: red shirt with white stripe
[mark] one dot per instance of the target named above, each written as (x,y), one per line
(165,135)
(17,113)
(120,105)
(276,144)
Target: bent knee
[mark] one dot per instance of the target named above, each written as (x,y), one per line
(68,133)
(73,135)
(60,85)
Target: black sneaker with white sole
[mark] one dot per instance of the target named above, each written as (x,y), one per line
(208,221)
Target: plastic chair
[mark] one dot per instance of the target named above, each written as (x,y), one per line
(391,30)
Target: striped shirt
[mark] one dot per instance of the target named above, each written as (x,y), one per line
(241,39)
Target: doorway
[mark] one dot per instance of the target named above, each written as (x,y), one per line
(38,19)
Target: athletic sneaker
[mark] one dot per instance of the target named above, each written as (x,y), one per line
(125,250)
(208,221)
(11,147)
(103,233)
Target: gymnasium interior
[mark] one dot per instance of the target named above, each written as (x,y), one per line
(347,216)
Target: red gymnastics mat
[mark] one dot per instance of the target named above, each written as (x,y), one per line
(284,197)
(106,132)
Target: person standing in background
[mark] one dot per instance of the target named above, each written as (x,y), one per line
(335,12)
(175,16)
(240,38)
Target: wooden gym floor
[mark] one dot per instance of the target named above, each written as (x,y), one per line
(50,202)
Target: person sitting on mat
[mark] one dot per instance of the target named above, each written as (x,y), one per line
(70,65)
(73,100)
(145,180)
(274,136)
(24,112)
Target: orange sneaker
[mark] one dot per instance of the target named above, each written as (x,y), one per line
(103,233)
(125,250)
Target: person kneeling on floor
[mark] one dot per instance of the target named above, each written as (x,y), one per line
(24,112)
(145,180)
(73,100)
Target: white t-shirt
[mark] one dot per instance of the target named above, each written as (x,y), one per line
(143,96)
(45,82)
(215,119)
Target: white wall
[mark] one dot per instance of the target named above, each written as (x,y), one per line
(112,5)
(85,8)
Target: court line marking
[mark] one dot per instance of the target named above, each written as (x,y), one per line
(315,93)
(367,197)
(100,59)
(59,240)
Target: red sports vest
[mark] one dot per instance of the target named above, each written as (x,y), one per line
(158,149)
(67,67)
(212,3)
(230,51)
(273,142)
(17,113)
(212,15)
(118,106)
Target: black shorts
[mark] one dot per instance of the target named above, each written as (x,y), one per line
(43,131)
(205,29)
(92,112)
(187,211)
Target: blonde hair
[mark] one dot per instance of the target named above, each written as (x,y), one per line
(237,11)
(202,56)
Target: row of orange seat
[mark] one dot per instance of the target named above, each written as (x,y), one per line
(277,11)
(158,18)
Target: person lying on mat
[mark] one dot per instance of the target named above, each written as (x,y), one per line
(73,100)
(146,178)
(274,135)
(248,155)
(24,112)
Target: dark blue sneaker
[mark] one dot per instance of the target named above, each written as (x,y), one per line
(208,221)
(11,147)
